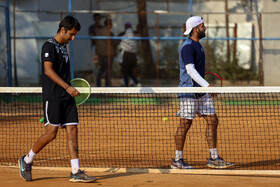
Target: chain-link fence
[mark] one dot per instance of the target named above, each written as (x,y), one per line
(3,47)
(242,42)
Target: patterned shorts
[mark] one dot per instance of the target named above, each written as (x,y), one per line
(200,106)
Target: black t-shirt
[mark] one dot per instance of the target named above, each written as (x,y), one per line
(57,54)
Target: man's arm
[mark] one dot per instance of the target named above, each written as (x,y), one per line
(196,76)
(55,78)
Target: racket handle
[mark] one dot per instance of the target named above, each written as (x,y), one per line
(42,120)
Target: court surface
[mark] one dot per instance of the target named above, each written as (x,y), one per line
(50,178)
(137,137)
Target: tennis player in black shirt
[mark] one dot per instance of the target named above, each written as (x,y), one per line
(59,104)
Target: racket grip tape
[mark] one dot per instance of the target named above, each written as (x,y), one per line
(42,120)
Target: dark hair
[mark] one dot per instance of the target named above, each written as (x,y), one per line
(107,21)
(128,25)
(69,22)
(191,33)
(96,15)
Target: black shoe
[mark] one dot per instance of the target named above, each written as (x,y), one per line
(81,177)
(25,169)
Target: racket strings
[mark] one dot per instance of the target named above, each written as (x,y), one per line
(213,79)
(83,87)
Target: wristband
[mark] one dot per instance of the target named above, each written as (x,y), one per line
(67,87)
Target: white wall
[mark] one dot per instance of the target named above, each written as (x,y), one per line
(26,56)
(271,54)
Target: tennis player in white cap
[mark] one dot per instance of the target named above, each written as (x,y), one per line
(192,69)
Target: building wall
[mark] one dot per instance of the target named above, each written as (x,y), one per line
(26,57)
(271,49)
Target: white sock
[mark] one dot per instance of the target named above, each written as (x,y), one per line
(29,157)
(214,153)
(178,155)
(75,165)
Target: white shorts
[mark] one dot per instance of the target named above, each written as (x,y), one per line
(201,106)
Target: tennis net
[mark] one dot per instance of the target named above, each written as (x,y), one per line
(135,128)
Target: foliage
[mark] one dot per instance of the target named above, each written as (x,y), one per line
(216,62)
(169,61)
(144,68)
(231,70)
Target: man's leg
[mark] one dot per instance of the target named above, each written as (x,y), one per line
(98,75)
(132,76)
(25,162)
(131,65)
(206,109)
(108,70)
(45,139)
(72,140)
(211,135)
(125,76)
(180,138)
(101,69)
(211,130)
(181,133)
(105,68)
(94,62)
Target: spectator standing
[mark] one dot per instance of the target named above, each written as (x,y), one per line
(128,55)
(106,51)
(92,30)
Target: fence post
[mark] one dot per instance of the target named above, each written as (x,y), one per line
(261,78)
(71,44)
(8,39)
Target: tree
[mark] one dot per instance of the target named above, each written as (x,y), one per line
(145,44)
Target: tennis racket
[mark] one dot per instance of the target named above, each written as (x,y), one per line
(213,79)
(83,87)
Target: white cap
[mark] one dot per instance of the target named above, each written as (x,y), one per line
(192,22)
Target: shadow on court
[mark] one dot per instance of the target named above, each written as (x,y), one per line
(108,176)
(262,164)
(116,175)
(49,178)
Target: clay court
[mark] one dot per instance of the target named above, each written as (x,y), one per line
(50,178)
(118,134)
